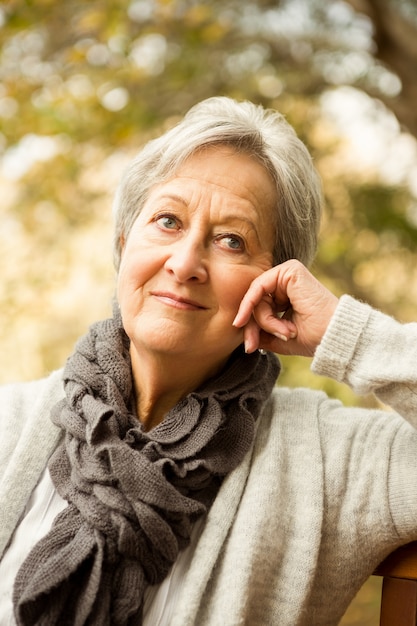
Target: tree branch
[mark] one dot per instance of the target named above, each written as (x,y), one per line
(395,38)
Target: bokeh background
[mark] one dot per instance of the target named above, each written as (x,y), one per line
(84,84)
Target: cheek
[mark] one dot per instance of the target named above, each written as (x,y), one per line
(232,288)
(135,270)
(122,284)
(129,292)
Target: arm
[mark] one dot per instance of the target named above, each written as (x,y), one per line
(369,455)
(372,353)
(350,341)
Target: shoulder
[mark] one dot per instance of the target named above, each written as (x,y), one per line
(25,423)
(295,401)
(291,412)
(24,391)
(27,439)
(18,400)
(306,415)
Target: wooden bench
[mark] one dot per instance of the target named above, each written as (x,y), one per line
(399,587)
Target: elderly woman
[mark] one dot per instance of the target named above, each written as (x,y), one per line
(162,477)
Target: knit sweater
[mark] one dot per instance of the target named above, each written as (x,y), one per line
(325,494)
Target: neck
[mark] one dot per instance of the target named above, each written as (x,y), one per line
(160,381)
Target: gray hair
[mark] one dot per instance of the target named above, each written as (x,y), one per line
(261,133)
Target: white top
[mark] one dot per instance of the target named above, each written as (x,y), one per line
(43,506)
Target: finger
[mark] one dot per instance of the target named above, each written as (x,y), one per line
(251,333)
(274,344)
(263,287)
(250,300)
(268,321)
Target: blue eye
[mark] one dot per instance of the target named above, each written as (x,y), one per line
(167,221)
(232,242)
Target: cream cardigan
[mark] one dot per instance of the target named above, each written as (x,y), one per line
(325,494)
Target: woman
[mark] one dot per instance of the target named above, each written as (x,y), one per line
(162,477)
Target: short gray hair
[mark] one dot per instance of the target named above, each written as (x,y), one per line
(261,133)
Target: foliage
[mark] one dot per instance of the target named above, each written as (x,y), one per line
(84,84)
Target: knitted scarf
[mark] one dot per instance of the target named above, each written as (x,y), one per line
(133,495)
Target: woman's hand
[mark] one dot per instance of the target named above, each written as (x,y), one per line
(285,310)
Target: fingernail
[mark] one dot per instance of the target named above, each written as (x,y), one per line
(282,337)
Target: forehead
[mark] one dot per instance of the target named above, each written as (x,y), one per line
(224,170)
(219,164)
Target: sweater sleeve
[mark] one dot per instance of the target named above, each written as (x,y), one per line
(372,353)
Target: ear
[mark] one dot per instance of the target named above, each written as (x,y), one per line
(122,242)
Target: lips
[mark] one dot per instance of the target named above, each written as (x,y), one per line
(177,301)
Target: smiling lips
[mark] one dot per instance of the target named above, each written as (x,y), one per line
(178,302)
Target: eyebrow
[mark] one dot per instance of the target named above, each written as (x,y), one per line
(181,200)
(173,196)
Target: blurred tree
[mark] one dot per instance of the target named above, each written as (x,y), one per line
(83,85)
(395,35)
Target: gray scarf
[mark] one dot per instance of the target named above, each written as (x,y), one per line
(133,495)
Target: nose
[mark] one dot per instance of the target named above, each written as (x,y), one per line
(187,261)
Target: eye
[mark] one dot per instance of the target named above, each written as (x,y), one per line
(232,242)
(167,221)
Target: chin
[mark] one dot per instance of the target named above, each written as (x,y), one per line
(168,336)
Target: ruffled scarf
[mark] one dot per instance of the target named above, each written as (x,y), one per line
(133,496)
